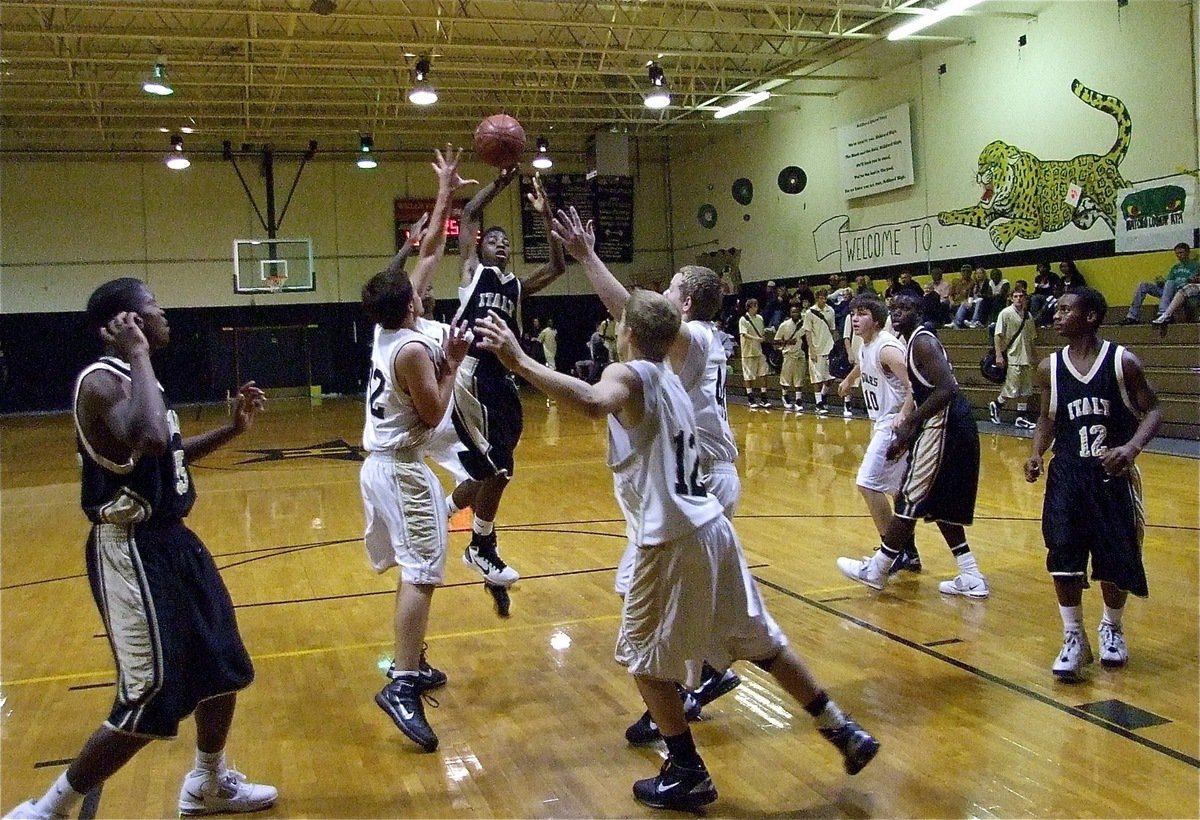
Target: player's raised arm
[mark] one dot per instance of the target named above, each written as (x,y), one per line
(471,221)
(580,241)
(433,243)
(557,264)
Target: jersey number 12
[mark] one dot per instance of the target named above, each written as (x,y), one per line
(687,482)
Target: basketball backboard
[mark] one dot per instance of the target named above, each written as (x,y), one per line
(273,265)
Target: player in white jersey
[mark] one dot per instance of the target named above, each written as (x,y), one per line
(692,595)
(883,376)
(699,358)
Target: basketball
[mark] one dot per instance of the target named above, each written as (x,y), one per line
(500,141)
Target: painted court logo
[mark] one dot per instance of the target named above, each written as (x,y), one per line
(1154,207)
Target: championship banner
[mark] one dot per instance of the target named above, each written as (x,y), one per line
(1157,214)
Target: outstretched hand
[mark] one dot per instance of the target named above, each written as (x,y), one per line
(495,337)
(576,238)
(250,401)
(445,165)
(416,231)
(538,197)
(457,342)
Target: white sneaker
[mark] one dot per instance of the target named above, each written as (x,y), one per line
(206,792)
(29,811)
(1024,423)
(1075,654)
(994,411)
(1112,646)
(969,586)
(862,570)
(491,566)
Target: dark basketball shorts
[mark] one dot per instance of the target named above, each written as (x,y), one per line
(488,419)
(1087,513)
(942,477)
(170,624)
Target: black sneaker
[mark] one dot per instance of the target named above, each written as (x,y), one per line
(481,555)
(401,699)
(644,730)
(501,597)
(676,787)
(715,685)
(857,747)
(907,561)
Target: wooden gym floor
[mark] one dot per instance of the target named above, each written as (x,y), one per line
(531,724)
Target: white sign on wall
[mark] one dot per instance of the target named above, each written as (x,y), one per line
(876,153)
(1157,214)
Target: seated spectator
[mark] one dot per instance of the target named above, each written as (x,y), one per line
(774,306)
(863,284)
(969,307)
(1046,319)
(1071,276)
(1186,291)
(995,298)
(1044,282)
(839,297)
(589,369)
(1163,287)
(936,298)
(908,287)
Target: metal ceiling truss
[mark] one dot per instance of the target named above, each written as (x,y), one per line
(276,71)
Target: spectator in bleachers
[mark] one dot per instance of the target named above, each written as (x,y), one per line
(1071,277)
(1188,290)
(937,298)
(589,369)
(969,308)
(1165,286)
(1044,282)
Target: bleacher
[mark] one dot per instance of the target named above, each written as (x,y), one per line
(1172,365)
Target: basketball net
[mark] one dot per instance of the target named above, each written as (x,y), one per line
(275,283)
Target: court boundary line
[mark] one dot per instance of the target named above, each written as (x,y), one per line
(1011,686)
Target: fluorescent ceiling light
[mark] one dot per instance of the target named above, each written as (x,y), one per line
(947,9)
(742,104)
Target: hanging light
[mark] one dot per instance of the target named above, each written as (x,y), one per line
(542,160)
(658,96)
(422,92)
(176,160)
(742,104)
(366,148)
(157,83)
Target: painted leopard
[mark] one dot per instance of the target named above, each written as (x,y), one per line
(1031,193)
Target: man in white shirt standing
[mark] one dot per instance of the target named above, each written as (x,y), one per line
(818,329)
(1014,342)
(789,338)
(753,331)
(548,337)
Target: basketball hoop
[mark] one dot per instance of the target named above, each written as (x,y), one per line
(274,283)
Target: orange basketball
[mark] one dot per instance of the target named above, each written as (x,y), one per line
(500,141)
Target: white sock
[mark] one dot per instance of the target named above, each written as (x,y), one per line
(967,565)
(1072,617)
(210,761)
(60,800)
(799,397)
(831,717)
(1112,616)
(817,397)
(882,561)
(482,526)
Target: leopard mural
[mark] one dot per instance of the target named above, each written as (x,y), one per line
(1035,196)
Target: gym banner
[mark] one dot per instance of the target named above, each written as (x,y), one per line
(1157,214)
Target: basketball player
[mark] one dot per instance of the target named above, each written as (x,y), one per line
(411,383)
(698,357)
(166,611)
(487,408)
(941,478)
(691,594)
(883,377)
(818,328)
(1100,412)
(789,339)
(753,333)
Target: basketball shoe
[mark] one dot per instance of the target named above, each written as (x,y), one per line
(500,598)
(994,411)
(1113,652)
(227,792)
(482,556)
(863,570)
(856,745)
(966,585)
(428,677)
(29,811)
(644,730)
(1075,654)
(676,787)
(713,684)
(401,699)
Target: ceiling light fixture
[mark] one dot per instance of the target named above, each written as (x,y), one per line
(542,160)
(742,104)
(366,147)
(422,92)
(176,160)
(156,83)
(947,9)
(658,96)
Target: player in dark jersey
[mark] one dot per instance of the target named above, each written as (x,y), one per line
(487,409)
(942,476)
(1100,412)
(167,614)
